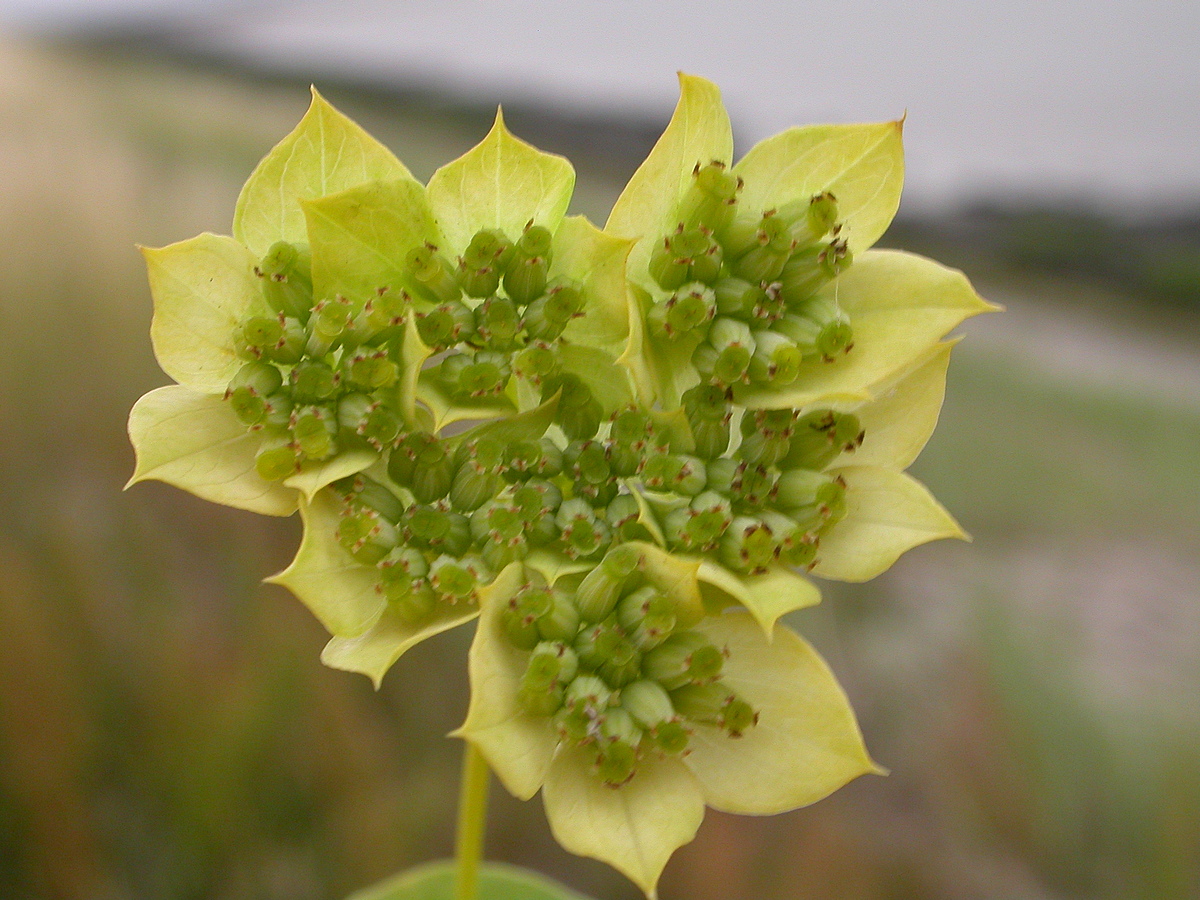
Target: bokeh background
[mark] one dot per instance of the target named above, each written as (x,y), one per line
(166,729)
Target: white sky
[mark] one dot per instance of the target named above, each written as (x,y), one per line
(1095,98)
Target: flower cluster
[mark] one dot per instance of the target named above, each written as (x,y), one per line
(621,449)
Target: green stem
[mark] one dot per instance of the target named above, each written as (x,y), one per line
(472,819)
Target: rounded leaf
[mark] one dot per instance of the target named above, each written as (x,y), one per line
(861,165)
(325,153)
(634,828)
(887,514)
(195,442)
(502,182)
(806,744)
(518,746)
(202,288)
(435,881)
(339,590)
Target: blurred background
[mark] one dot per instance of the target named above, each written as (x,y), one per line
(166,728)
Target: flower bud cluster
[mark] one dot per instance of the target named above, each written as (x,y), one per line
(323,377)
(748,282)
(609,662)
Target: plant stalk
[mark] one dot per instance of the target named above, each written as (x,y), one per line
(472,821)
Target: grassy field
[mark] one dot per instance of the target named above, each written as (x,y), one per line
(166,729)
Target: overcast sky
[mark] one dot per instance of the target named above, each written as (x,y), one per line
(1094,98)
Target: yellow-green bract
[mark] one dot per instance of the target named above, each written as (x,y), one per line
(481,406)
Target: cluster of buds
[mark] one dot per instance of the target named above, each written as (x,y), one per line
(610,662)
(747,283)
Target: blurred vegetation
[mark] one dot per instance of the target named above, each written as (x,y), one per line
(166,729)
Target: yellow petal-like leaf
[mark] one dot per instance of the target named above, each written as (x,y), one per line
(203,288)
(676,577)
(698,133)
(313,477)
(502,182)
(887,513)
(195,442)
(862,165)
(899,421)
(806,744)
(360,237)
(448,410)
(517,745)
(374,651)
(768,596)
(339,590)
(497,881)
(899,305)
(598,369)
(552,565)
(597,261)
(324,154)
(634,828)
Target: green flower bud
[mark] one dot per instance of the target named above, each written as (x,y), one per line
(561,622)
(622,511)
(426,526)
(446,324)
(686,657)
(382,317)
(451,579)
(329,326)
(648,703)
(277,458)
(367,492)
(521,630)
(763,448)
(776,360)
(526,276)
(711,198)
(370,370)
(403,458)
(552,665)
(535,363)
(415,604)
(760,257)
(432,473)
(597,594)
(497,323)
(582,538)
(432,275)
(700,525)
(812,219)
(366,535)
(725,357)
(249,390)
(404,564)
(748,545)
(691,307)
(315,431)
(313,381)
(369,419)
(286,273)
(820,436)
(715,704)
(277,411)
(498,554)
(471,487)
(483,263)
(584,702)
(647,617)
(737,297)
(605,646)
(811,268)
(260,334)
(537,497)
(291,345)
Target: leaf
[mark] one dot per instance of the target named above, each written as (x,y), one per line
(339,590)
(435,881)
(360,237)
(887,513)
(525,426)
(767,596)
(634,828)
(806,744)
(597,261)
(899,305)
(661,369)
(195,442)
(324,154)
(202,288)
(899,421)
(312,478)
(503,183)
(374,651)
(518,746)
(552,565)
(674,576)
(698,133)
(609,383)
(447,410)
(862,165)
